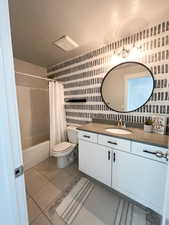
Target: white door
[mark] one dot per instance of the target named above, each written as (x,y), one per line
(13,209)
(95,160)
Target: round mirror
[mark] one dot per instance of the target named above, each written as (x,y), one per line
(127,86)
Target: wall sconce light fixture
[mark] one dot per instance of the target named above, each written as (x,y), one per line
(126,54)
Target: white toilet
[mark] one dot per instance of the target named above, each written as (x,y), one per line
(65,151)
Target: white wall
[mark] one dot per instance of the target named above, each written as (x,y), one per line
(33,104)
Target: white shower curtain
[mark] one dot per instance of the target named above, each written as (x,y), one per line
(57,114)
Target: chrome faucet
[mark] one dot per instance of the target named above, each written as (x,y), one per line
(121,123)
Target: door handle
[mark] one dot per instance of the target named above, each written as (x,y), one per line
(19,171)
(108,155)
(114,157)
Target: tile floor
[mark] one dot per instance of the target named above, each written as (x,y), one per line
(44,184)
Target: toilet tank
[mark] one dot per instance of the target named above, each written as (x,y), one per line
(72,134)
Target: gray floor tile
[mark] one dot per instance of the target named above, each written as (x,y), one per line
(34,181)
(72,170)
(46,195)
(33,210)
(62,180)
(41,220)
(48,168)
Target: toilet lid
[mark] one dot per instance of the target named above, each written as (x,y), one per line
(63,146)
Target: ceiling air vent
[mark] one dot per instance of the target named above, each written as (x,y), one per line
(66,43)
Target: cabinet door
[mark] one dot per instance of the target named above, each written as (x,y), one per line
(95,160)
(139,178)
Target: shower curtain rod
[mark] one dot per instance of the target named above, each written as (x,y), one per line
(33,76)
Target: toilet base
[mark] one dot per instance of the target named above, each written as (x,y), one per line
(64,161)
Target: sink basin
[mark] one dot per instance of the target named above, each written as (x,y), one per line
(118,131)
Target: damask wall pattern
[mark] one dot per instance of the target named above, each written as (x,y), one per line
(82,77)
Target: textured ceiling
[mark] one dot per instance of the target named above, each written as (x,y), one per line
(36,24)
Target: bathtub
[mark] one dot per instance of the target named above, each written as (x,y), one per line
(35,154)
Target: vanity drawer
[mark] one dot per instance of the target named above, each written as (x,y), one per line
(115,143)
(87,136)
(146,150)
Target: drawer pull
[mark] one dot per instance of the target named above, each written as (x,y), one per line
(113,143)
(158,153)
(86,136)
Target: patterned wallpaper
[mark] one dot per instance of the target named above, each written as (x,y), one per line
(82,77)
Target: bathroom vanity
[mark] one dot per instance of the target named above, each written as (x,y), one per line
(125,162)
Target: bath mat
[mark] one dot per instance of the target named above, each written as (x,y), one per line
(89,203)
(74,201)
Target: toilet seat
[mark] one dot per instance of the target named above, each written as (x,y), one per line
(63,149)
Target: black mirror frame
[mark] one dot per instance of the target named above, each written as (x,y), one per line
(113,69)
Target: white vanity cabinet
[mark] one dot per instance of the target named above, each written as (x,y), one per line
(125,166)
(94,159)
